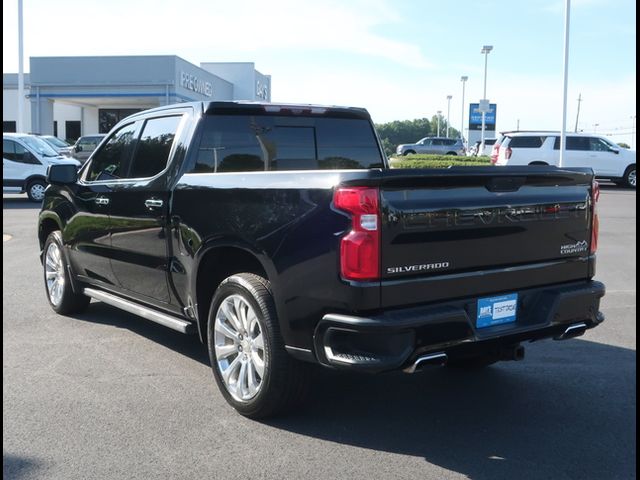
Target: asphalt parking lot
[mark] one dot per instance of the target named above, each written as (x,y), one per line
(108,395)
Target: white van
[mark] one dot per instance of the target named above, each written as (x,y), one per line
(25,160)
(607,159)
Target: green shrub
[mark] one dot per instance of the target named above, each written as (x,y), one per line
(438,161)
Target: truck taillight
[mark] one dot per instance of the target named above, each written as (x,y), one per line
(595,222)
(360,248)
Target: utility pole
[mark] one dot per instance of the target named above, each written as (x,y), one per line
(518,125)
(578,114)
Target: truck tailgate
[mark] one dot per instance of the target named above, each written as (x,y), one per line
(471,231)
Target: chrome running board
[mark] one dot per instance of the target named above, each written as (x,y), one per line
(174,323)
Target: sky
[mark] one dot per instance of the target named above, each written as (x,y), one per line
(397,58)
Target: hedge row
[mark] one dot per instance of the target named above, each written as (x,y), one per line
(437,161)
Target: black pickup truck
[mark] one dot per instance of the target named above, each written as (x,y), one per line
(279,235)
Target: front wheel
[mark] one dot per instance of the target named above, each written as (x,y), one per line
(254,372)
(35,190)
(57,282)
(630,177)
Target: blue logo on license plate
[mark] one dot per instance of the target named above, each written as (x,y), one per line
(497,310)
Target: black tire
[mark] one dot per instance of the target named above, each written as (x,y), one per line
(285,381)
(473,363)
(408,152)
(539,164)
(69,302)
(630,177)
(452,153)
(35,190)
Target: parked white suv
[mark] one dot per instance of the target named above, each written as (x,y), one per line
(25,160)
(607,159)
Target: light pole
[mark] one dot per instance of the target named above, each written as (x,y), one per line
(20,122)
(463,79)
(439,112)
(485,50)
(633,133)
(449,97)
(565,81)
(595,127)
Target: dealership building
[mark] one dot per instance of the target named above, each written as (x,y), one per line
(73,96)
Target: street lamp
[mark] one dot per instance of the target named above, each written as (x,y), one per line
(439,112)
(595,127)
(485,50)
(449,97)
(463,79)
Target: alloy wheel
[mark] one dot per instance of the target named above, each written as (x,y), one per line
(239,348)
(54,274)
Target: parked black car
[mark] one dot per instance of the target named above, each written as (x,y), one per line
(278,235)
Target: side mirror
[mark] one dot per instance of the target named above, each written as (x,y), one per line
(62,174)
(615,150)
(78,148)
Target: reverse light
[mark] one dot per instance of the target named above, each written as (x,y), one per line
(595,221)
(360,248)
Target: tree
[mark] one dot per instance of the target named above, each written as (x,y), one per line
(624,145)
(398,132)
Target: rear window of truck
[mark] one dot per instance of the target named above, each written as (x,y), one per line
(244,143)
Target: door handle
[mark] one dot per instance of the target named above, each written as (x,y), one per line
(153,203)
(102,201)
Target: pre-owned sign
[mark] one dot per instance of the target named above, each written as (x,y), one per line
(195,84)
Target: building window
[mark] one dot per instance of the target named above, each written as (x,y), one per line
(9,127)
(109,117)
(72,130)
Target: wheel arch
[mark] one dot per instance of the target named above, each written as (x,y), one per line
(31,178)
(47,223)
(214,264)
(539,162)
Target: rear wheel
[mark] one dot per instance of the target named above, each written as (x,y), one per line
(539,164)
(630,177)
(452,153)
(57,283)
(35,190)
(409,152)
(254,372)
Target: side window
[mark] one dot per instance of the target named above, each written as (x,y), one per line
(595,144)
(14,151)
(437,142)
(526,142)
(154,146)
(9,149)
(112,161)
(580,144)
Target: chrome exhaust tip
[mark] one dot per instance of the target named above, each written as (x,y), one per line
(572,331)
(430,359)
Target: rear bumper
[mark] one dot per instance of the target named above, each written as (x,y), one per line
(394,339)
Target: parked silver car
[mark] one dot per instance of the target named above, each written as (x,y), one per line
(436,145)
(85,146)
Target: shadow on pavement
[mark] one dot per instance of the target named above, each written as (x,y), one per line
(567,411)
(14,467)
(19,203)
